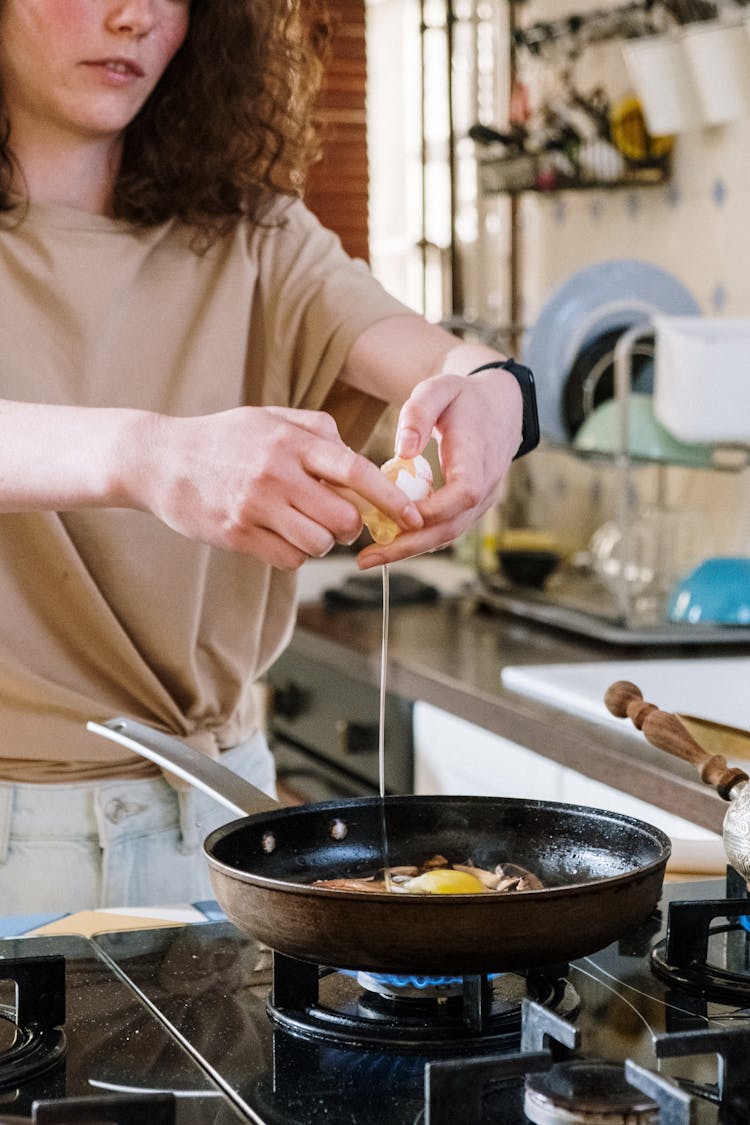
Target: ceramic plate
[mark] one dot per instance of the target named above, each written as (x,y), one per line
(618,293)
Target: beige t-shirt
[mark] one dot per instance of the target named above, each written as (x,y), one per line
(108,612)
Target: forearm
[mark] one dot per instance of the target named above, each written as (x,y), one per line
(56,458)
(464,357)
(393,355)
(250,479)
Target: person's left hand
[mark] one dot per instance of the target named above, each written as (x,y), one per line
(477,422)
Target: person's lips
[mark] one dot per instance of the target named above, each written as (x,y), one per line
(127,68)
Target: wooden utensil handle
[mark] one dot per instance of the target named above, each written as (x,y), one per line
(625,700)
(665,731)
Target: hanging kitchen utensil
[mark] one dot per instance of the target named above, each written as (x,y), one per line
(685,12)
(666,732)
(602,872)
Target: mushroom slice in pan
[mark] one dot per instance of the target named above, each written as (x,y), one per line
(527,880)
(370,883)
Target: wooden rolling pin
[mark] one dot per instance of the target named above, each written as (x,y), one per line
(665,731)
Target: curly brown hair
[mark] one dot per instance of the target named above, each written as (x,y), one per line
(231,123)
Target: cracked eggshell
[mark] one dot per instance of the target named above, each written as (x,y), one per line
(412,475)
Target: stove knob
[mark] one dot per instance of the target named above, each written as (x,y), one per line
(357,738)
(288,700)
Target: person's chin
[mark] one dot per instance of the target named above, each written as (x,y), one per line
(108,122)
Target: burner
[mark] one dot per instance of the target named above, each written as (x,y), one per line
(711,960)
(32,1051)
(588,1091)
(405,988)
(31,1038)
(411,1013)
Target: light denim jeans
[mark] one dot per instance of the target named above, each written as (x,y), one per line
(74,847)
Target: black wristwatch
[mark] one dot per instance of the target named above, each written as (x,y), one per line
(525,379)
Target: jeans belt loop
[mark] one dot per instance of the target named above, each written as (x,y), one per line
(6,814)
(190,838)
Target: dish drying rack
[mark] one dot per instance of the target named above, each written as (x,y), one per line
(579,603)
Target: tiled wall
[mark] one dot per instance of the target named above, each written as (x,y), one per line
(696,226)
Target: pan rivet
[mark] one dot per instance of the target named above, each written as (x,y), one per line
(338,830)
(269,842)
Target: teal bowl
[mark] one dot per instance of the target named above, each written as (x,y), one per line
(717,591)
(647,438)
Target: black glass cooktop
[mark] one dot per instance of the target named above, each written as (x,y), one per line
(185,1011)
(210,984)
(109,1043)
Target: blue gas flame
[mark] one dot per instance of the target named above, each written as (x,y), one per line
(400,981)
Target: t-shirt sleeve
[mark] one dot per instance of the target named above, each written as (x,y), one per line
(315,302)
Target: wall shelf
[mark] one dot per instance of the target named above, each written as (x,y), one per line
(517,175)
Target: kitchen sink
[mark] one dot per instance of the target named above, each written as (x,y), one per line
(714,688)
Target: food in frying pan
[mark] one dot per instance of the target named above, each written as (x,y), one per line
(437,876)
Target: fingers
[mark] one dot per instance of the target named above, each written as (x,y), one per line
(315,422)
(253,479)
(361,482)
(410,544)
(476,422)
(473,479)
(420,413)
(271,548)
(287,545)
(335,463)
(320,518)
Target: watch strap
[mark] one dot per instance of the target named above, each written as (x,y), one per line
(524,377)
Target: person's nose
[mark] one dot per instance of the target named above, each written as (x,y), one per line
(132,17)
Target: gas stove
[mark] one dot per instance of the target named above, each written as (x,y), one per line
(202,1024)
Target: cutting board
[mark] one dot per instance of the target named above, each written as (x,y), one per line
(715,688)
(90,922)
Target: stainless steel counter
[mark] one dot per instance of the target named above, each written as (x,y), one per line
(451,655)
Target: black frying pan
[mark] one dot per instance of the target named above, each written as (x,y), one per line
(602,872)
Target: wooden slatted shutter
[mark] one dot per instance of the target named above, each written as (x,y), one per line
(338,187)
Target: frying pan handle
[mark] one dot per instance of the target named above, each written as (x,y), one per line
(238,795)
(665,731)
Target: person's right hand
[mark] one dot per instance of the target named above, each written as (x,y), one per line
(256,480)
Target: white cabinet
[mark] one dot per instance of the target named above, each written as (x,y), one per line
(452,756)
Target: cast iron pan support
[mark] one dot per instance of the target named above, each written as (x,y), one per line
(732,1045)
(454,1088)
(676,1107)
